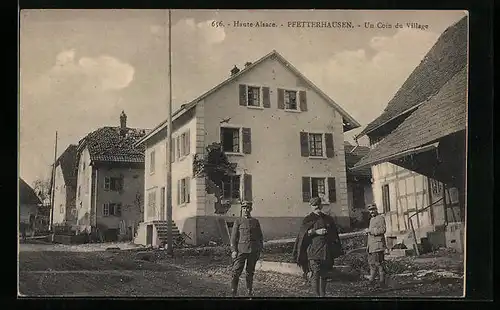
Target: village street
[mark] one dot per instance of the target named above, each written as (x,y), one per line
(49,270)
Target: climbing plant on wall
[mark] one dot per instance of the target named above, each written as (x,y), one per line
(214,166)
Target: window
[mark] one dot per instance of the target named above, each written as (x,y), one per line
(112,209)
(152,162)
(183,191)
(105,209)
(324,188)
(79,190)
(316,144)
(386,198)
(177,148)
(183,145)
(230,138)
(152,203)
(231,187)
(253,96)
(61,208)
(290,100)
(113,183)
(436,187)
(318,188)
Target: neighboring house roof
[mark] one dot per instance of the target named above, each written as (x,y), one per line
(440,116)
(27,194)
(350,122)
(353,154)
(441,63)
(67,161)
(108,144)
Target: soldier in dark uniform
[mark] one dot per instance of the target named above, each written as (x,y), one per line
(246,244)
(317,245)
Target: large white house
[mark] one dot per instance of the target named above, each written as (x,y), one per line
(286,137)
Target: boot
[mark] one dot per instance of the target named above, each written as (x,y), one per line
(234,286)
(322,288)
(373,273)
(382,278)
(250,285)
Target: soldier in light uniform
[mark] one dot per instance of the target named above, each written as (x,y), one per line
(246,243)
(376,245)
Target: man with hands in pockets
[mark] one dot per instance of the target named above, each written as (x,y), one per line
(247,242)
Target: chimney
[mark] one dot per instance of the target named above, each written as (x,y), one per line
(123,123)
(234,70)
(248,63)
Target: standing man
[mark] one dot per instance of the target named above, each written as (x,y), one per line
(317,245)
(376,245)
(247,242)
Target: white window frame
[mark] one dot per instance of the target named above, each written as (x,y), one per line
(261,93)
(240,138)
(323,144)
(184,192)
(297,99)
(152,162)
(105,209)
(232,199)
(325,200)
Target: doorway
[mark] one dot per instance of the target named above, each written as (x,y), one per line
(149,235)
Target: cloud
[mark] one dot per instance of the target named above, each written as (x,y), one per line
(102,73)
(363,85)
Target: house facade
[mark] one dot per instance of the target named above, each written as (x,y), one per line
(418,149)
(286,138)
(359,186)
(110,181)
(28,206)
(65,188)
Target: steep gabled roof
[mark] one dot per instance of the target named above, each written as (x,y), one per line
(353,154)
(108,144)
(27,194)
(442,115)
(442,62)
(67,161)
(349,121)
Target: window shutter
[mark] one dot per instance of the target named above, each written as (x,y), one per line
(306,189)
(304,144)
(119,210)
(281,99)
(172,150)
(247,187)
(188,189)
(243,94)
(332,192)
(247,140)
(266,101)
(178,192)
(188,142)
(329,145)
(303,100)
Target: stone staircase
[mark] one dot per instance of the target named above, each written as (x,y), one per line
(161,230)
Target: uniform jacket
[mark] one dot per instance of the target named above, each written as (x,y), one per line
(376,234)
(246,236)
(315,247)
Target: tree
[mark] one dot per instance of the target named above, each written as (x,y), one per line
(214,166)
(42,189)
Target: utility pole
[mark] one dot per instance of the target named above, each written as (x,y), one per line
(52,188)
(168,151)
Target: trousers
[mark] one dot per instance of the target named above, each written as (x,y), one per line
(319,270)
(239,264)
(376,263)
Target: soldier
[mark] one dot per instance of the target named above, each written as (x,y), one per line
(317,245)
(246,242)
(376,245)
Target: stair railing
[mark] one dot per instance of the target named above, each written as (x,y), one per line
(410,222)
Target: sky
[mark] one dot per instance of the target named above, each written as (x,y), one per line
(80,68)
